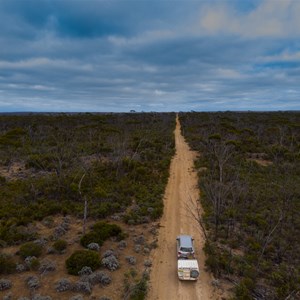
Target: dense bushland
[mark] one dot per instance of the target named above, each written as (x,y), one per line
(249,171)
(51,163)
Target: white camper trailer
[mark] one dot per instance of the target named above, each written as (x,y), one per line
(188,269)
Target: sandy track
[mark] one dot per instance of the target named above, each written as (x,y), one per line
(181,187)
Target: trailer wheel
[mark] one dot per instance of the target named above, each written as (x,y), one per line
(194,273)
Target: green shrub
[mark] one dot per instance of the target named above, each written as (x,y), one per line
(2,179)
(103,210)
(157,212)
(244,288)
(60,245)
(91,237)
(100,232)
(242,293)
(48,221)
(34,264)
(140,290)
(41,161)
(212,263)
(7,264)
(212,258)
(82,258)
(107,230)
(13,235)
(30,249)
(286,279)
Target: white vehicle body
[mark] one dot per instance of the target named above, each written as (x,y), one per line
(188,269)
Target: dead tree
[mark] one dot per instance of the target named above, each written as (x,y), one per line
(218,152)
(269,237)
(195,211)
(85,204)
(222,152)
(217,193)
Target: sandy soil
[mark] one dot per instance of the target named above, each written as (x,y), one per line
(181,188)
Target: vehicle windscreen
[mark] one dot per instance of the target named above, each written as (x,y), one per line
(185,249)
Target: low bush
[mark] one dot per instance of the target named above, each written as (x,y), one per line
(244,288)
(13,235)
(33,282)
(60,245)
(47,266)
(63,285)
(100,232)
(2,179)
(40,162)
(34,264)
(139,291)
(82,287)
(91,237)
(111,262)
(93,246)
(5,284)
(82,258)
(31,249)
(107,230)
(7,265)
(100,277)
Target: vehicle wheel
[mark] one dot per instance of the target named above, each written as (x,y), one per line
(194,273)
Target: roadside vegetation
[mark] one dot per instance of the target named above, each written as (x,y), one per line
(51,165)
(250,190)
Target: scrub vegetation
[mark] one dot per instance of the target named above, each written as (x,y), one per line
(50,166)
(250,190)
(124,159)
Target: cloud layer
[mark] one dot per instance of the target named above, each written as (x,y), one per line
(97,55)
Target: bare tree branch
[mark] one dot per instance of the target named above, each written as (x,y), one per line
(195,210)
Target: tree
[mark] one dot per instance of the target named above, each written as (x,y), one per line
(196,212)
(216,192)
(85,204)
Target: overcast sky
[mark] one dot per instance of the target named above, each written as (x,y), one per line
(149,55)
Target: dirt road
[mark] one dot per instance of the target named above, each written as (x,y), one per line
(182,186)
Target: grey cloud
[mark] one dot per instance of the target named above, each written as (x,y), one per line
(267,19)
(146,58)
